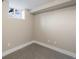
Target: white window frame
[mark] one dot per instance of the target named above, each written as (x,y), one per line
(22,17)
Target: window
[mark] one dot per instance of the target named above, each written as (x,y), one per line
(16,13)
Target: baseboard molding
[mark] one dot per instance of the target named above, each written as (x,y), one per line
(42,44)
(57,49)
(5,53)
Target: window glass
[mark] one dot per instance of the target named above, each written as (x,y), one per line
(16,13)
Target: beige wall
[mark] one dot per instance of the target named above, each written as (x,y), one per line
(15,31)
(57,28)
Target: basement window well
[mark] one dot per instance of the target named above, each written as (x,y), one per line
(16,13)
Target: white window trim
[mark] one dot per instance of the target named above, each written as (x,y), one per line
(23,15)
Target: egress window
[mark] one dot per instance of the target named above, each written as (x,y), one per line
(16,13)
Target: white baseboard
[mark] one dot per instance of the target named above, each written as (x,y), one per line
(57,49)
(15,49)
(42,44)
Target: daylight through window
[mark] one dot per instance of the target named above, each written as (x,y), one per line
(16,13)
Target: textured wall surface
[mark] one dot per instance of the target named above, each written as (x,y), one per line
(15,31)
(57,28)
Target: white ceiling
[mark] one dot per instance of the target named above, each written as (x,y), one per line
(39,6)
(29,4)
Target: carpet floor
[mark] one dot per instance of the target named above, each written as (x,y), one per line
(35,51)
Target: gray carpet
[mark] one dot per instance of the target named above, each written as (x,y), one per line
(35,51)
